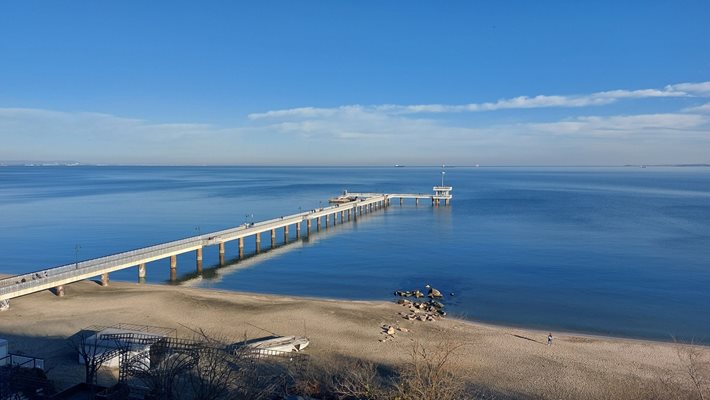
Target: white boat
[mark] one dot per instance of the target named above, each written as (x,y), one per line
(273,345)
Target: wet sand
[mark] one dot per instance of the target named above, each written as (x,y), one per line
(508,360)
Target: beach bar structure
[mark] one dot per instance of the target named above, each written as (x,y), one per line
(56,278)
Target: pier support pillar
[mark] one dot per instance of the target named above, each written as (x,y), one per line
(59,290)
(327,220)
(141,271)
(342,217)
(221,253)
(308,227)
(318,224)
(286,234)
(173,268)
(416,201)
(104,279)
(273,238)
(258,242)
(198,257)
(446,202)
(298,230)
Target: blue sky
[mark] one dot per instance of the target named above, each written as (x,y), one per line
(355,82)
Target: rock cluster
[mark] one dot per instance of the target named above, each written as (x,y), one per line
(421,310)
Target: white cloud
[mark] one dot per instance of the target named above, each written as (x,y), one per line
(623,125)
(702,109)
(701,89)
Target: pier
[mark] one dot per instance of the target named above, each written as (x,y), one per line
(56,278)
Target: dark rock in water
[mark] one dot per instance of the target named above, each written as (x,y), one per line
(441,312)
(436,304)
(451,294)
(418,294)
(435,293)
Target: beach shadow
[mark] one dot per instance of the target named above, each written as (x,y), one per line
(526,338)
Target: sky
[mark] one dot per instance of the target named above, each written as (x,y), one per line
(355,82)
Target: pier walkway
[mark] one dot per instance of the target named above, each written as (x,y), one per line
(55,278)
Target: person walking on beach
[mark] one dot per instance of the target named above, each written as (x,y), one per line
(549,339)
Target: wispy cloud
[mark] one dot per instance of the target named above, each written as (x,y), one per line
(356,134)
(702,109)
(624,125)
(701,89)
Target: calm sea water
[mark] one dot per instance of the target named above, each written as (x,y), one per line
(620,251)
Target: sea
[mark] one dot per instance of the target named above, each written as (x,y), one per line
(621,251)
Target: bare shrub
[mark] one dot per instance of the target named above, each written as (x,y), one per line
(361,380)
(431,373)
(695,370)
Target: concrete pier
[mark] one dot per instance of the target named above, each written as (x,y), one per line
(55,278)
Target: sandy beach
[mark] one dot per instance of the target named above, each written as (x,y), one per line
(511,361)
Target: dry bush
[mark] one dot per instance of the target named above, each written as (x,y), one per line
(360,380)
(431,373)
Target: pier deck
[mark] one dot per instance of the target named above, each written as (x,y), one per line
(56,277)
